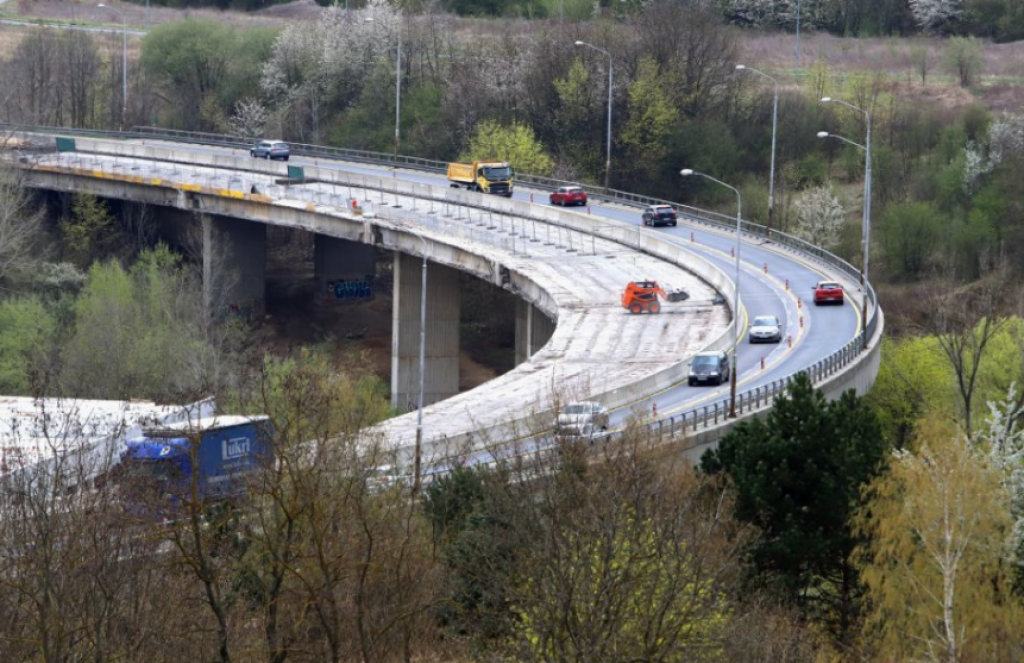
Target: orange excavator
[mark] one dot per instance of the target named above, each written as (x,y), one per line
(642,296)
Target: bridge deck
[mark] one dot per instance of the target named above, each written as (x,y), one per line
(597,347)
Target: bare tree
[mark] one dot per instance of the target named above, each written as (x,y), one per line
(690,41)
(32,70)
(79,71)
(965,320)
(921,57)
(210,249)
(55,74)
(762,632)
(138,227)
(74,578)
(203,535)
(635,554)
(365,571)
(20,224)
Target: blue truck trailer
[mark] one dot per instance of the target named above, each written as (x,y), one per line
(219,456)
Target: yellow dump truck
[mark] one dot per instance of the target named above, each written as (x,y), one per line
(485,176)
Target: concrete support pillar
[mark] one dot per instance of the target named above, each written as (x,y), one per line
(533,330)
(442,333)
(344,269)
(234,265)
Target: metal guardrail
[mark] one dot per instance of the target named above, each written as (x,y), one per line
(757,398)
(691,420)
(700,418)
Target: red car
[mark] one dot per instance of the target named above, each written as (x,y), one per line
(569,195)
(828,292)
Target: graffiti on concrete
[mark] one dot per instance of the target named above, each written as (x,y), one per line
(347,290)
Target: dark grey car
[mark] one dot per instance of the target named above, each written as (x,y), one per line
(709,368)
(660,215)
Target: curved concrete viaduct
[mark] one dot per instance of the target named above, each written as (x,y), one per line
(567,265)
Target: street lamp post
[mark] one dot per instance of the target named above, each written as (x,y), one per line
(423,371)
(798,34)
(866,229)
(864,235)
(398,103)
(124,64)
(417,460)
(608,159)
(775,124)
(686,172)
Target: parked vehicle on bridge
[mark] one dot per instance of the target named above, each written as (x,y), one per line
(765,329)
(709,368)
(495,177)
(584,419)
(568,195)
(828,292)
(642,296)
(219,454)
(270,149)
(660,215)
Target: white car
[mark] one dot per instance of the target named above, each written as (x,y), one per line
(765,329)
(584,419)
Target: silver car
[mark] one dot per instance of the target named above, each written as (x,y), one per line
(584,419)
(270,149)
(765,329)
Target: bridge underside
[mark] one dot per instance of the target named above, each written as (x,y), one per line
(234,244)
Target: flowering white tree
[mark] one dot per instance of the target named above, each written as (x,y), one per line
(250,119)
(819,216)
(1005,440)
(775,14)
(324,64)
(933,15)
(975,166)
(757,13)
(1005,139)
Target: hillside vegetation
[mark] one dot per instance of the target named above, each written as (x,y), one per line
(888,528)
